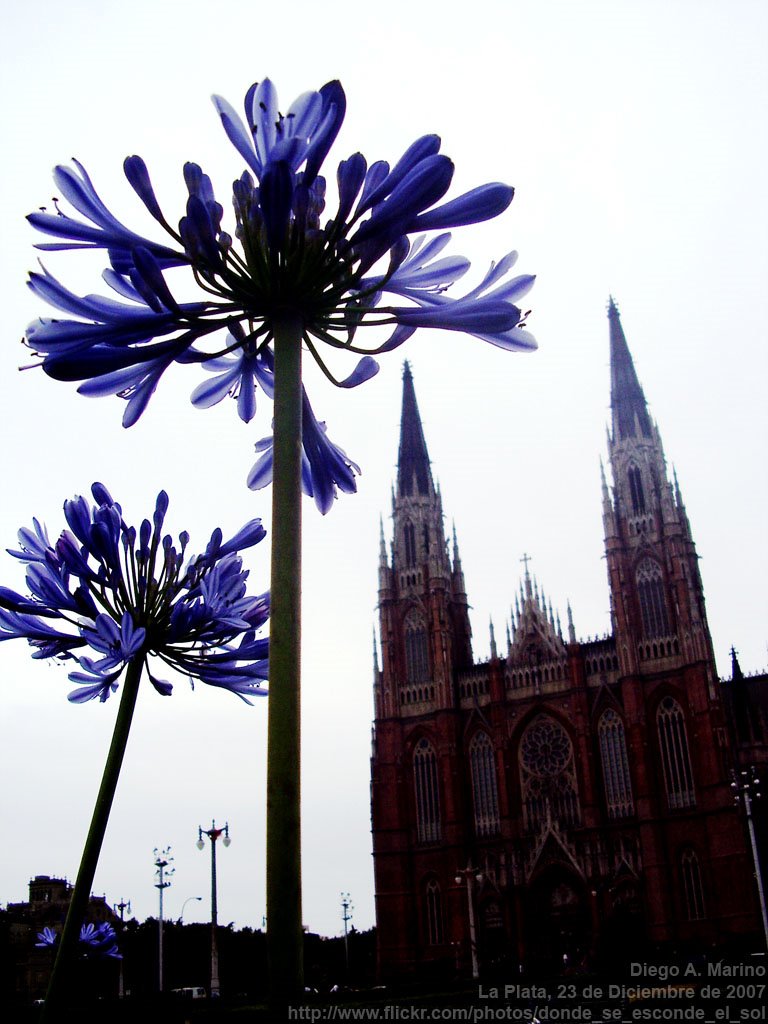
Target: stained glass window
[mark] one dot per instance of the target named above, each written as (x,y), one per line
(613,754)
(653,605)
(693,890)
(434,913)
(427,788)
(484,790)
(548,774)
(675,758)
(416,650)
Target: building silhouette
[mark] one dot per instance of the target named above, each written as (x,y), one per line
(563,801)
(49,899)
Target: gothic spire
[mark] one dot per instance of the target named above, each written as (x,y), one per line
(571,628)
(628,406)
(736,673)
(413,472)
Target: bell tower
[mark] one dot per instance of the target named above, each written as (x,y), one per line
(425,631)
(656,590)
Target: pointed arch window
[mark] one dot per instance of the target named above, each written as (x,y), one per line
(433,906)
(548,775)
(416,649)
(485,795)
(675,756)
(409,537)
(653,605)
(427,790)
(613,754)
(636,494)
(693,890)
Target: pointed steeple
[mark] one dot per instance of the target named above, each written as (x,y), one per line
(648,543)
(571,628)
(384,574)
(736,674)
(628,406)
(413,473)
(459,585)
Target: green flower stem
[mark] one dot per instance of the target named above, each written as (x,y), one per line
(56,998)
(284,920)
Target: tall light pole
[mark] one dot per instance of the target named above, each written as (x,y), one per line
(746,787)
(470,876)
(346,915)
(213,834)
(121,907)
(163,870)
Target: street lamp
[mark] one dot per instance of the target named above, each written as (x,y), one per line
(186,901)
(346,915)
(164,870)
(213,834)
(746,788)
(122,906)
(468,873)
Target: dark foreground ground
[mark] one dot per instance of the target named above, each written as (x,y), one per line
(706,990)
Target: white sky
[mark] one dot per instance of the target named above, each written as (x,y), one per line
(635,135)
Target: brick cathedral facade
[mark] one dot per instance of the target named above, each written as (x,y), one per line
(564,798)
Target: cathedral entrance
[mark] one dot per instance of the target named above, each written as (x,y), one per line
(557,926)
(493,945)
(623,933)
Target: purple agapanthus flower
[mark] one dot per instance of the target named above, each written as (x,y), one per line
(96,940)
(358,268)
(106,594)
(46,938)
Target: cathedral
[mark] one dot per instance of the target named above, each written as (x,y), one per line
(564,799)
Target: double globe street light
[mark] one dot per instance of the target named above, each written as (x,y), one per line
(213,834)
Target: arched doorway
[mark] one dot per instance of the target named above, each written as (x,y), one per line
(558,925)
(623,933)
(493,945)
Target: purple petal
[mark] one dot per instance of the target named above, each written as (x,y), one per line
(473,317)
(365,369)
(421,149)
(237,134)
(138,177)
(212,391)
(480,204)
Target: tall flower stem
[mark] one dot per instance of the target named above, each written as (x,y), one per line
(284,921)
(57,989)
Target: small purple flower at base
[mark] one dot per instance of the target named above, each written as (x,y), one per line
(96,940)
(47,937)
(330,274)
(99,940)
(129,596)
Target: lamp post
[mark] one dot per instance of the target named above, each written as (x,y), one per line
(746,788)
(346,915)
(213,834)
(163,870)
(183,905)
(469,875)
(121,907)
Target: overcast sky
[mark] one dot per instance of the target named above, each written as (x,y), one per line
(635,136)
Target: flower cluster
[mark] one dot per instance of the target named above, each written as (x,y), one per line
(96,940)
(106,595)
(283,263)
